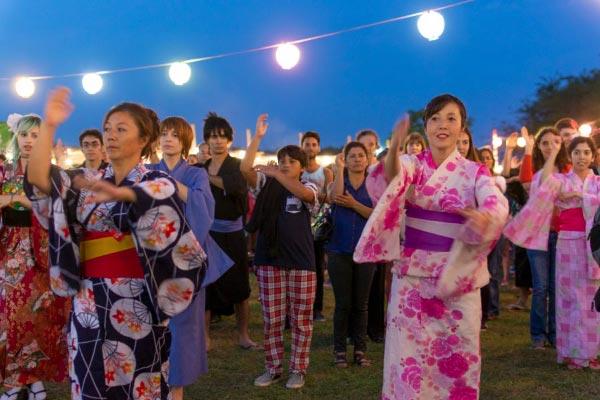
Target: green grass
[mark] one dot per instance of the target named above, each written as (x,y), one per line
(511,370)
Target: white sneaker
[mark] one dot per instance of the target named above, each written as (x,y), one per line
(266,379)
(295,381)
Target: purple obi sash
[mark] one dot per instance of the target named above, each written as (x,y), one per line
(421,225)
(226,226)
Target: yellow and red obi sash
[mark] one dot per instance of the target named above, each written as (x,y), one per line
(109,255)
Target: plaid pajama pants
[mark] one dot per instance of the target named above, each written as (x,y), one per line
(286,292)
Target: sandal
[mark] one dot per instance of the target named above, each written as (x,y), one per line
(37,391)
(340,360)
(11,394)
(361,360)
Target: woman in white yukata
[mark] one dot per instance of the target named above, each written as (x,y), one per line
(451,213)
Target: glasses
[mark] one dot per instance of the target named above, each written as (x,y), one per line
(90,145)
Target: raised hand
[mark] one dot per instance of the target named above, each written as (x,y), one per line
(529,139)
(479,220)
(340,161)
(511,141)
(399,132)
(261,125)
(58,107)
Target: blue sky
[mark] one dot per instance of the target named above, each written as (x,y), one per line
(492,55)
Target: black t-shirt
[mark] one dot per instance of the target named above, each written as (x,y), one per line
(294,235)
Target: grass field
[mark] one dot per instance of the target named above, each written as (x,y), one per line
(511,370)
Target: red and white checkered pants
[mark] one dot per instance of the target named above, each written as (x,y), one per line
(292,292)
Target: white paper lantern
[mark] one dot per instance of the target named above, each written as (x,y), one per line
(431,25)
(498,169)
(496,141)
(521,142)
(25,87)
(585,130)
(180,73)
(92,83)
(287,55)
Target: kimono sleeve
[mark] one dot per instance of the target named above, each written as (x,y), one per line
(466,267)
(55,212)
(234,183)
(380,238)
(376,182)
(531,226)
(199,212)
(174,262)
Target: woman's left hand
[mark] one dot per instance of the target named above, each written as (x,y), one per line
(104,192)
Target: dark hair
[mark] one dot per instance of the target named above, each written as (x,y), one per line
(562,160)
(437,103)
(218,125)
(2,157)
(91,132)
(471,153)
(414,137)
(351,145)
(145,119)
(367,132)
(485,149)
(294,152)
(582,139)
(311,134)
(185,133)
(566,123)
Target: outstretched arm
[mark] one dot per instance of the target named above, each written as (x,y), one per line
(392,164)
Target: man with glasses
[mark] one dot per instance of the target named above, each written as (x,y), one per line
(92,146)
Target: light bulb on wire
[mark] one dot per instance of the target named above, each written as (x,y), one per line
(180,73)
(25,87)
(585,130)
(431,25)
(496,141)
(287,55)
(521,142)
(92,83)
(498,169)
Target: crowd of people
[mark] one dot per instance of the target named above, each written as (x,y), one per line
(112,272)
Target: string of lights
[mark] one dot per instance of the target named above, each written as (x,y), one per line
(430,23)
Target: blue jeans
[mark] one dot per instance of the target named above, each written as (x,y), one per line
(542,322)
(495,269)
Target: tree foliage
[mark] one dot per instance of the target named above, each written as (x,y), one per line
(577,97)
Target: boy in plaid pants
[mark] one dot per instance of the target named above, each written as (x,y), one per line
(284,258)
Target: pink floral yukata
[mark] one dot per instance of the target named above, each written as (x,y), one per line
(577,274)
(432,339)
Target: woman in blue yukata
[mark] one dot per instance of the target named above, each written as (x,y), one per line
(187,359)
(121,246)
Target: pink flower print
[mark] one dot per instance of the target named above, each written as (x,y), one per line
(452,340)
(490,202)
(392,215)
(463,393)
(450,166)
(454,366)
(428,190)
(440,348)
(413,300)
(451,200)
(371,249)
(433,307)
(465,284)
(457,315)
(412,376)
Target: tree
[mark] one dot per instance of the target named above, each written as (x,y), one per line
(577,97)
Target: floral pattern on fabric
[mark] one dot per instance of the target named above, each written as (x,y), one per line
(118,339)
(32,318)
